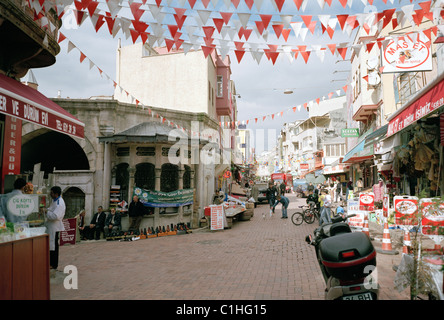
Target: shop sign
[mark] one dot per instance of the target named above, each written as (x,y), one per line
(406,54)
(304,166)
(22,205)
(12,147)
(40,115)
(69,235)
(406,210)
(432,216)
(350,133)
(366,201)
(217,217)
(426,104)
(161,199)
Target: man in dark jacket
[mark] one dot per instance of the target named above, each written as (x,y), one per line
(112,222)
(283,186)
(136,210)
(285,202)
(271,196)
(97,224)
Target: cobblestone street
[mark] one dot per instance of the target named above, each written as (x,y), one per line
(260,259)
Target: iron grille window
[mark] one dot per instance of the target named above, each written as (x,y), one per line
(145,151)
(145,176)
(169,178)
(123,152)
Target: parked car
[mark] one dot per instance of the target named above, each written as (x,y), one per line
(300,187)
(262,186)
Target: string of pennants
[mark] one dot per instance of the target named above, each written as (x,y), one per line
(116,23)
(239,34)
(83,58)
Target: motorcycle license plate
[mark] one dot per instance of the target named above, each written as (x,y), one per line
(361,296)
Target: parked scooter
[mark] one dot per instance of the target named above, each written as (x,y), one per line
(346,260)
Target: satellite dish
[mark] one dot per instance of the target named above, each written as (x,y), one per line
(374,79)
(372,63)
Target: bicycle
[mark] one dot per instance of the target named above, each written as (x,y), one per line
(308,215)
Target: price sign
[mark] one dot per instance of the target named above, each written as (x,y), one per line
(22,205)
(406,210)
(432,222)
(217,217)
(367,201)
(353,208)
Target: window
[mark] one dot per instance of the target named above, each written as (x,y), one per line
(122,179)
(123,152)
(220,86)
(335,150)
(145,151)
(187,178)
(145,176)
(169,178)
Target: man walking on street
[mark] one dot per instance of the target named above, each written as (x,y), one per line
(271,196)
(285,202)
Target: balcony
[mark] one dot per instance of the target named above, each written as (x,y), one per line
(23,44)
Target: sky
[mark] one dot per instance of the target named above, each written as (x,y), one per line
(260,86)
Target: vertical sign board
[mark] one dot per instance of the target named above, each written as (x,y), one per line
(69,235)
(406,210)
(432,222)
(385,205)
(12,147)
(217,217)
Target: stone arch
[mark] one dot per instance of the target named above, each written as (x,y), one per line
(53,150)
(31,131)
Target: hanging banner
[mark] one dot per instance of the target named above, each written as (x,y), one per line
(406,210)
(161,199)
(217,217)
(406,54)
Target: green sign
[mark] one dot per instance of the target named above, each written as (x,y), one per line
(161,199)
(350,133)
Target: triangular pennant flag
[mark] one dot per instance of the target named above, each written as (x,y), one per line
(286,33)
(249,3)
(61,37)
(342,52)
(342,18)
(136,11)
(226,16)
(239,54)
(279,4)
(219,23)
(298,3)
(306,19)
(278,29)
(266,18)
(305,55)
(207,50)
(82,56)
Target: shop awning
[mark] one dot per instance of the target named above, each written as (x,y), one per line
(336,169)
(375,136)
(358,148)
(426,101)
(25,103)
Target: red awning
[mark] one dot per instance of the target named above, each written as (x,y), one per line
(25,103)
(358,159)
(420,107)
